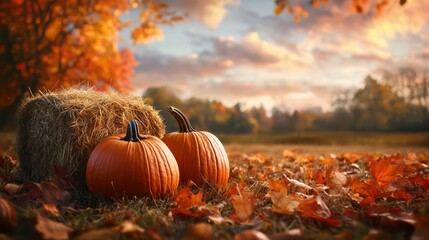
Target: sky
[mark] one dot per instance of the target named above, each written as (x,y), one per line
(239,51)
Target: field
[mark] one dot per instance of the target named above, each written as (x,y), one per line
(298,186)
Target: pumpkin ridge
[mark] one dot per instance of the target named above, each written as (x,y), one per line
(149,169)
(213,156)
(159,170)
(200,172)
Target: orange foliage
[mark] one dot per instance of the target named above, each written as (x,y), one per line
(384,170)
(357,6)
(51,44)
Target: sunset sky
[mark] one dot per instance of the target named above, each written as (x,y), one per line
(239,51)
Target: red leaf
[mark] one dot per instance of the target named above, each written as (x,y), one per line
(33,191)
(53,194)
(315,208)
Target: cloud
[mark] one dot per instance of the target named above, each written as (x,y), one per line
(277,62)
(226,53)
(291,95)
(209,12)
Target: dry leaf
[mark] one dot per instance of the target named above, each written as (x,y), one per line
(250,235)
(12,188)
(244,205)
(52,230)
(199,231)
(188,203)
(384,171)
(131,230)
(51,209)
(53,194)
(283,203)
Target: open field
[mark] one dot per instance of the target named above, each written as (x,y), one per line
(332,138)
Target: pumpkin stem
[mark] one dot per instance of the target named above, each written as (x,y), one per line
(133,134)
(184,124)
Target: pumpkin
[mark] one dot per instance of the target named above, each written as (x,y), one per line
(200,155)
(7,215)
(133,165)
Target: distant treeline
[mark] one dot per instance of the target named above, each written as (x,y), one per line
(398,102)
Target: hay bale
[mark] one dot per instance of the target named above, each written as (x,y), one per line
(60,129)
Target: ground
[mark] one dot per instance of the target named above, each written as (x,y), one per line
(275,191)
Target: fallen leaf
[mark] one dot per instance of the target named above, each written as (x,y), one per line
(277,185)
(131,230)
(12,188)
(315,208)
(51,209)
(50,229)
(298,183)
(366,189)
(250,235)
(283,203)
(188,203)
(53,194)
(351,157)
(33,191)
(289,153)
(292,234)
(384,170)
(244,205)
(199,231)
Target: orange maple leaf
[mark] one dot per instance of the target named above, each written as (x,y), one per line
(188,203)
(385,170)
(366,189)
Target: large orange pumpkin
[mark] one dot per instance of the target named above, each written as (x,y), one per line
(200,155)
(133,165)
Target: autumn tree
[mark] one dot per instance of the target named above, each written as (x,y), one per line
(412,86)
(161,98)
(51,44)
(299,9)
(377,107)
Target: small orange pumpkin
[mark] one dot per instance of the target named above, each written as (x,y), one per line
(133,165)
(200,155)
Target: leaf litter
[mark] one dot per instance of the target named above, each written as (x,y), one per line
(289,195)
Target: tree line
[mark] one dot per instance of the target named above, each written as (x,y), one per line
(398,101)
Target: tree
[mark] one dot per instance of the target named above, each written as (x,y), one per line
(51,44)
(377,107)
(299,10)
(160,98)
(413,87)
